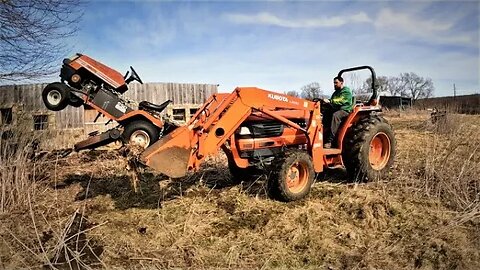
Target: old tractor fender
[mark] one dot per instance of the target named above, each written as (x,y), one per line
(139,115)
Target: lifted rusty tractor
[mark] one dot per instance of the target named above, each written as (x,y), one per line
(280,134)
(87,82)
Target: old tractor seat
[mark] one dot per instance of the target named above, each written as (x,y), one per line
(154,107)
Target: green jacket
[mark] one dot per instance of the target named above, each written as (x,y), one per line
(342,99)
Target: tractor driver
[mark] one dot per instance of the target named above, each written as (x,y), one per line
(336,109)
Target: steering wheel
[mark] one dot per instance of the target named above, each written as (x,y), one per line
(134,76)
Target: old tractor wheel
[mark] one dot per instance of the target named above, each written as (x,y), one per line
(74,100)
(292,176)
(141,133)
(56,96)
(369,149)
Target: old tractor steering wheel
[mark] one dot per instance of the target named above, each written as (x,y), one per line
(134,76)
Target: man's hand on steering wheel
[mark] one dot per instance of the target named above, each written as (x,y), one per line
(322,100)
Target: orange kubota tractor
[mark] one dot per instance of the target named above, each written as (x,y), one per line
(85,81)
(280,134)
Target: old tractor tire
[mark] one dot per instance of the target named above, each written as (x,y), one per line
(140,132)
(370,148)
(75,101)
(56,96)
(292,176)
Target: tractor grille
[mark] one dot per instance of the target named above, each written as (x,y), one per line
(266,129)
(262,129)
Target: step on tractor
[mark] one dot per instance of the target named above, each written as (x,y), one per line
(279,134)
(87,82)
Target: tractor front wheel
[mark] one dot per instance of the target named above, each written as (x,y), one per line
(56,96)
(141,133)
(292,176)
(369,149)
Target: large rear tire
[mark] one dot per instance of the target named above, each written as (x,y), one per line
(56,96)
(292,176)
(141,133)
(370,148)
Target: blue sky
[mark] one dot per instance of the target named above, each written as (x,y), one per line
(283,45)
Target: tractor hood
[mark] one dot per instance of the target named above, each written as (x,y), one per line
(103,72)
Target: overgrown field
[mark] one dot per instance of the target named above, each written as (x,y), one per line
(81,212)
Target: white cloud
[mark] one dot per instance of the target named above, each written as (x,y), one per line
(406,22)
(266,18)
(389,23)
(401,25)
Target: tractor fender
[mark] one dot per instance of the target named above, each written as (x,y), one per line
(137,115)
(358,113)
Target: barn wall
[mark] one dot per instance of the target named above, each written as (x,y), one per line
(395,102)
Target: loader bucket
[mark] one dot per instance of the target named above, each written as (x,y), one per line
(170,155)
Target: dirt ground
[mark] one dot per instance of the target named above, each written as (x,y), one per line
(84,213)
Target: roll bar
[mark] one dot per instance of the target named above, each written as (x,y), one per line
(374,79)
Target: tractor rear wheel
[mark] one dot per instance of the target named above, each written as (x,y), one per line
(140,132)
(292,176)
(370,148)
(56,96)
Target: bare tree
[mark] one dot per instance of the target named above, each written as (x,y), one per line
(292,93)
(381,84)
(311,91)
(33,35)
(354,82)
(396,86)
(407,85)
(417,87)
(365,91)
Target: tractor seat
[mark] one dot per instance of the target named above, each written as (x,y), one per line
(154,107)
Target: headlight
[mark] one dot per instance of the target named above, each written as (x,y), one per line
(244,131)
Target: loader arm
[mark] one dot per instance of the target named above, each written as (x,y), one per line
(215,122)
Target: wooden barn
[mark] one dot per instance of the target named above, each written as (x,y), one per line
(22,105)
(396,102)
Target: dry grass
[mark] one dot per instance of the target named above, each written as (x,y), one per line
(85,214)
(17,177)
(441,159)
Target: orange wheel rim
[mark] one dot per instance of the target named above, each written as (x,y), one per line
(379,151)
(297,177)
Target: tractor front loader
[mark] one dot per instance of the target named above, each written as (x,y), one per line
(277,133)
